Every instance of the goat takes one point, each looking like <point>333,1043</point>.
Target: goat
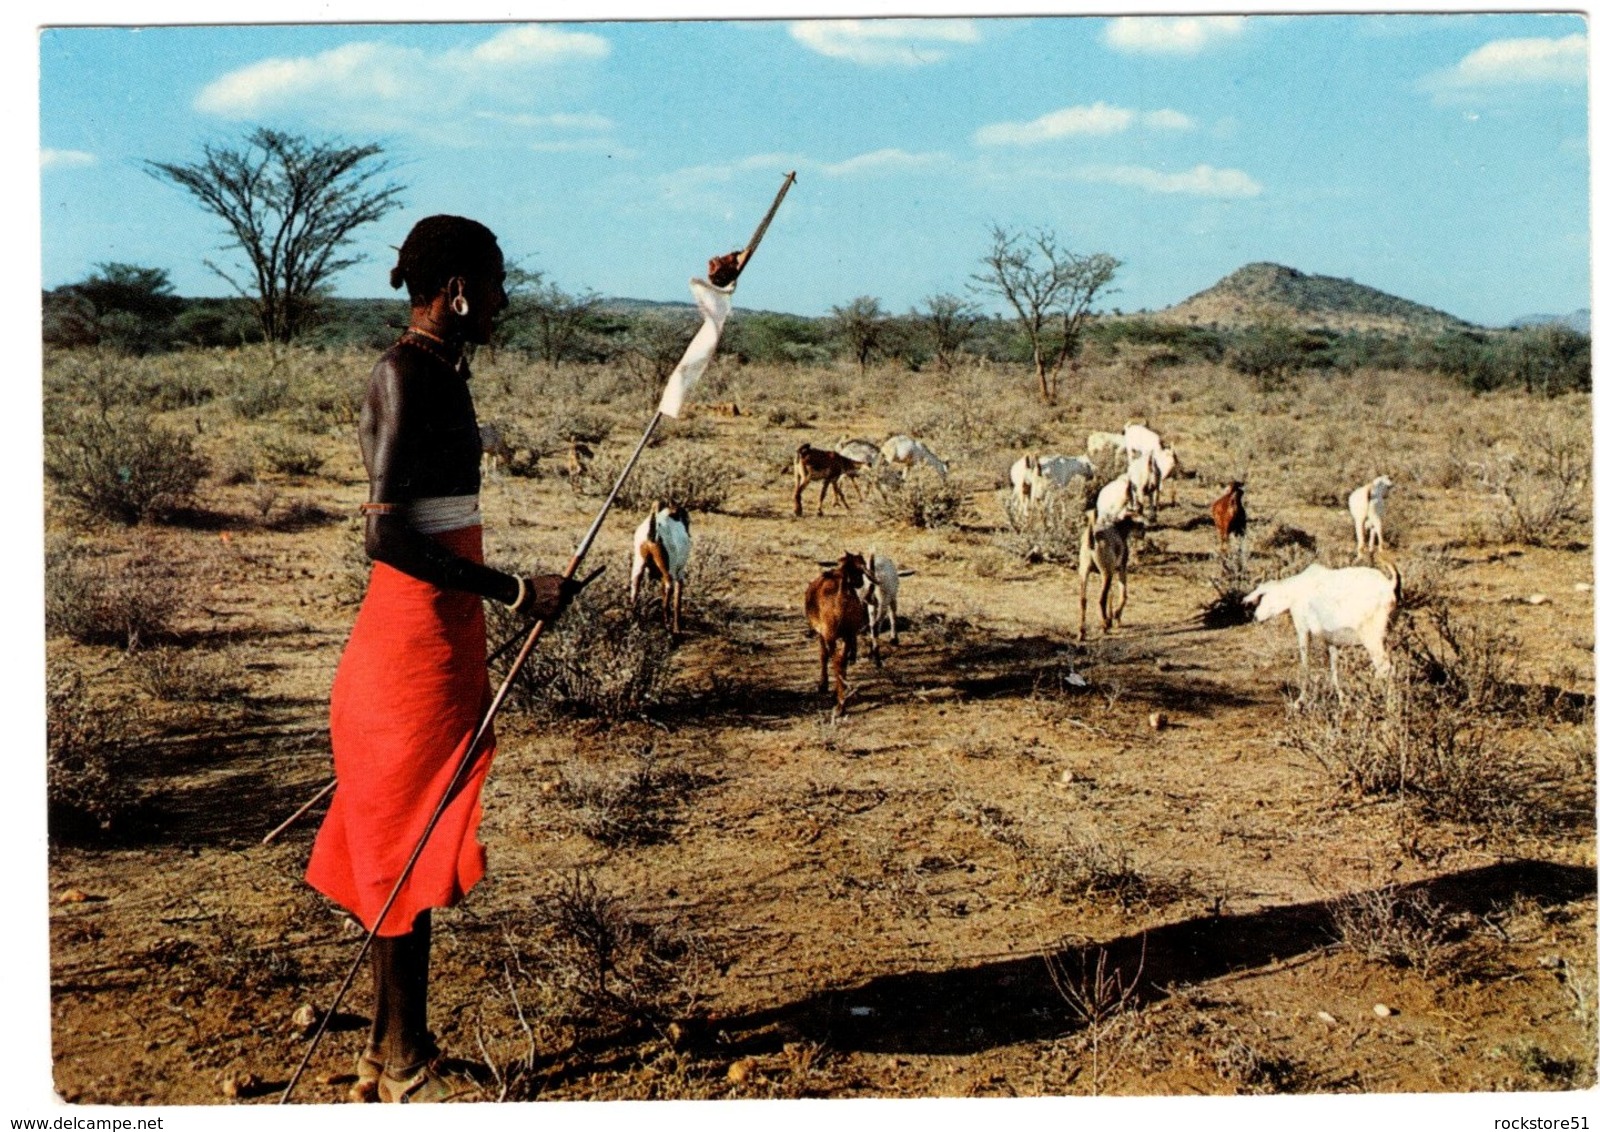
<point>1367,504</point>
<point>578,456</point>
<point>496,448</point>
<point>661,550</point>
<point>820,464</point>
<point>1144,479</point>
<point>1228,514</point>
<point>1166,465</point>
<point>864,453</point>
<point>1115,500</point>
<point>904,452</point>
<point>1104,550</point>
<point>881,596</point>
<point>836,613</point>
<point>1112,444</point>
<point>1139,439</point>
<point>1341,608</point>
<point>1032,477</point>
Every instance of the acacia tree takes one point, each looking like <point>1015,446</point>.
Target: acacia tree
<point>555,323</point>
<point>292,206</point>
<point>949,324</point>
<point>1050,288</point>
<point>861,325</point>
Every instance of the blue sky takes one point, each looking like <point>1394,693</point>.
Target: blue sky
<point>1441,158</point>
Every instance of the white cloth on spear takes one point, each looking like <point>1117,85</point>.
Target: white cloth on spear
<point>714,303</point>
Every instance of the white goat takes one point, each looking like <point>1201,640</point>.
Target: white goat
<point>661,548</point>
<point>1367,504</point>
<point>880,593</point>
<point>1166,462</point>
<point>905,451</point>
<point>1113,446</point>
<point>1144,479</point>
<point>866,454</point>
<point>1115,500</point>
<point>1341,608</point>
<point>1140,440</point>
<point>1033,476</point>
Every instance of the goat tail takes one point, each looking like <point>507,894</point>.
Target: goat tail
<point>1393,568</point>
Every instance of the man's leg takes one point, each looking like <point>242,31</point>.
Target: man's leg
<point>400,1039</point>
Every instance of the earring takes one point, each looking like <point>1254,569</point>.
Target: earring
<point>459,305</point>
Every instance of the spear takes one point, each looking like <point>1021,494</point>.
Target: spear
<point>714,303</point>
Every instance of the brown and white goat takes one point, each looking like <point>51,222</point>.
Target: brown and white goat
<point>838,616</point>
<point>1104,550</point>
<point>661,550</point>
<point>820,464</point>
<point>1228,514</point>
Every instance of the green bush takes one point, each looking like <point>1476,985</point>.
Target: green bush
<point>122,466</point>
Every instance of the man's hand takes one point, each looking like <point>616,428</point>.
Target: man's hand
<point>548,594</point>
<point>724,269</point>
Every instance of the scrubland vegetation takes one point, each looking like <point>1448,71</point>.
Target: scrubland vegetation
<point>1017,865</point>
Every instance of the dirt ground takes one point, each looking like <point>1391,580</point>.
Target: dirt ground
<point>987,879</point>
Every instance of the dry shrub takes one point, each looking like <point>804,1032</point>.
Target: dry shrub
<point>1542,495</point>
<point>185,676</point>
<point>1412,739</point>
<point>599,659</point>
<point>1467,662</point>
<point>95,599</point>
<point>699,482</point>
<point>1386,925</point>
<point>289,455</point>
<point>712,578</point>
<point>606,964</point>
<point>1050,531</point>
<point>349,568</point>
<point>624,804</point>
<point>122,466</point>
<point>1251,1070</point>
<point>1232,580</point>
<point>1087,868</point>
<point>920,499</point>
<point>88,748</point>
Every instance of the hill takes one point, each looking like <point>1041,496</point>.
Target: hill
<point>1263,291</point>
<point>1578,320</point>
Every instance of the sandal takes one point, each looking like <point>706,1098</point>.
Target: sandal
<point>368,1070</point>
<point>439,1079</point>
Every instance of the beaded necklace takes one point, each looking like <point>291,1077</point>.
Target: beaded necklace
<point>419,339</point>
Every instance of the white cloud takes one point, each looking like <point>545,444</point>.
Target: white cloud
<point>65,158</point>
<point>534,44</point>
<point>1098,120</point>
<point>369,73</point>
<point>864,164</point>
<point>1171,35</point>
<point>904,43</point>
<point>1516,62</point>
<point>1202,180</point>
<point>881,161</point>
<point>595,122</point>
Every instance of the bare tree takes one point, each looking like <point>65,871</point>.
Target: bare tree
<point>1051,289</point>
<point>861,324</point>
<point>949,324</point>
<point>292,206</point>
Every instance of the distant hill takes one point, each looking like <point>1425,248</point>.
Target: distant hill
<point>1260,291</point>
<point>1578,320</point>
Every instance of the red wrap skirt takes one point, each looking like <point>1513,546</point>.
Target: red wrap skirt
<point>409,693</point>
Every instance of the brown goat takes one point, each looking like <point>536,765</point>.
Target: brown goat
<point>837,615</point>
<point>1228,514</point>
<point>1104,550</point>
<point>821,464</point>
